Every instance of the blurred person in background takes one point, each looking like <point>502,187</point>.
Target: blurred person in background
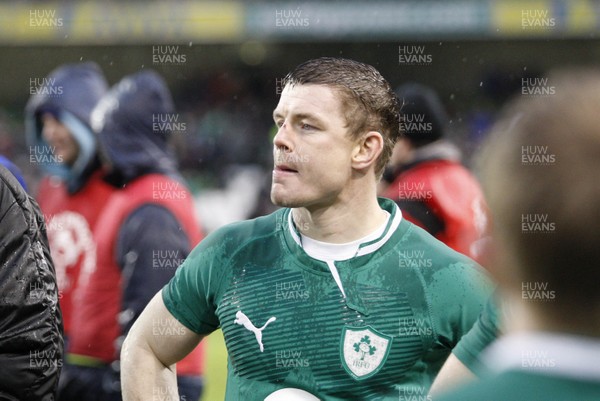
<point>72,192</point>
<point>324,299</point>
<point>31,336</point>
<point>146,229</point>
<point>428,182</point>
<point>541,160</point>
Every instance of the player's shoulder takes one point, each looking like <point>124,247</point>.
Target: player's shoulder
<point>253,229</point>
<point>438,263</point>
<point>235,236</point>
<point>440,253</point>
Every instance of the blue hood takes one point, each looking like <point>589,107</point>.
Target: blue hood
<point>125,121</point>
<point>70,93</point>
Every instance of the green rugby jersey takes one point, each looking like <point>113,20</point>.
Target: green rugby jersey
<point>536,366</point>
<point>408,300</point>
<point>518,385</point>
<point>482,334</point>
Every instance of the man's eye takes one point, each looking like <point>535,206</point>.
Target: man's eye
<point>305,126</point>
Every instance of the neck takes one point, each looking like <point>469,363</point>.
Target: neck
<point>343,221</point>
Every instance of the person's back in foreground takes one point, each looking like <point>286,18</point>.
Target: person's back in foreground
<point>334,297</point>
<point>539,174</point>
<point>31,340</point>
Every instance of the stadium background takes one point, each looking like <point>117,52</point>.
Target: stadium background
<point>224,61</point>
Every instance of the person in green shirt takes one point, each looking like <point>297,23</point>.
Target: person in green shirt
<point>333,297</point>
<point>539,173</point>
<point>464,364</point>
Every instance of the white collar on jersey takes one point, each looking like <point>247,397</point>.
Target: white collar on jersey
<point>363,246</point>
<point>330,253</point>
<point>327,251</point>
<point>546,353</point>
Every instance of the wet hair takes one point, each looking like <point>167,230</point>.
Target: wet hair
<point>367,99</point>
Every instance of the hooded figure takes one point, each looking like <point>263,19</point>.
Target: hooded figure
<point>69,94</point>
<point>145,231</point>
<point>72,194</point>
<point>429,183</point>
<point>31,341</point>
<point>132,123</point>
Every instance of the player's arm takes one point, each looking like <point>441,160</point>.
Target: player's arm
<point>461,365</point>
<point>154,344</point>
<point>452,374</point>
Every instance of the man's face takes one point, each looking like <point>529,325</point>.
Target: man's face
<point>312,150</point>
<point>60,139</point>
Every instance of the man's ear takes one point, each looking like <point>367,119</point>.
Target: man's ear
<point>367,150</point>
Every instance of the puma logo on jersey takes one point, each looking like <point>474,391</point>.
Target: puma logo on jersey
<point>243,320</point>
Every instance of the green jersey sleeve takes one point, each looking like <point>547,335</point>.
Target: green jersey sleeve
<point>457,295</point>
<point>482,334</point>
<point>191,295</point>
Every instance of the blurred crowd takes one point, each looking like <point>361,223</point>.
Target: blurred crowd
<point>223,123</point>
<point>222,138</point>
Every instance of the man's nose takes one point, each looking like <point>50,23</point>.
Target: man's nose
<point>282,139</point>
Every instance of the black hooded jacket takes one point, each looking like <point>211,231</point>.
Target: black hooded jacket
<point>31,338</point>
<point>133,136</point>
<point>134,146</point>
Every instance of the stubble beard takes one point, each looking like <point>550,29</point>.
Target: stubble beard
<point>282,201</point>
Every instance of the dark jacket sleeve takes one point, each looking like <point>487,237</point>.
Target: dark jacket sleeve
<point>31,333</point>
<point>151,245</point>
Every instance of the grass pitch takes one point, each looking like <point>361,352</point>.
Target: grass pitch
<point>215,367</point>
